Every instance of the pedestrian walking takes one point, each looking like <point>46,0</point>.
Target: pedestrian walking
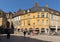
<point>18,30</point>
<point>24,33</point>
<point>8,33</point>
<point>8,29</point>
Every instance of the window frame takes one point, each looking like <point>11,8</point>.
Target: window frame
<point>42,15</point>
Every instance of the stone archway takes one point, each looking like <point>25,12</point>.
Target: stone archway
<point>42,30</point>
<point>30,29</point>
<point>37,30</point>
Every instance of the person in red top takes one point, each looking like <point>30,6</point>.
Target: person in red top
<point>33,33</point>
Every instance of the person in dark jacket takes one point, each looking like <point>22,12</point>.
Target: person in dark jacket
<point>8,29</point>
<point>24,33</point>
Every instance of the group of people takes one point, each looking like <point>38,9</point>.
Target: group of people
<point>29,33</point>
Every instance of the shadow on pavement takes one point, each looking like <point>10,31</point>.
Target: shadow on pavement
<point>20,39</point>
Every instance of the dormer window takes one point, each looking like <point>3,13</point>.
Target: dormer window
<point>28,10</point>
<point>42,9</point>
<point>24,11</point>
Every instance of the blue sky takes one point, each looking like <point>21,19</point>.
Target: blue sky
<point>14,5</point>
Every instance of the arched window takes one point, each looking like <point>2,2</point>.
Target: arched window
<point>52,17</point>
<point>42,30</point>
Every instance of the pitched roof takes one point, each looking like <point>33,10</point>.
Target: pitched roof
<point>46,9</point>
<point>36,8</point>
<point>19,12</point>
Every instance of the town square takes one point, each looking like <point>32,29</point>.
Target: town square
<point>30,21</point>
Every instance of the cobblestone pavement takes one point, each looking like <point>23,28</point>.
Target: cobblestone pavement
<point>47,38</point>
<point>30,38</point>
<point>20,38</point>
<point>44,37</point>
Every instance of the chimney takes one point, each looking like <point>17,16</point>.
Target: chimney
<point>36,4</point>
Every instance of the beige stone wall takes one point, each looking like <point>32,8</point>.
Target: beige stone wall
<point>59,21</point>
<point>24,19</point>
<point>0,21</point>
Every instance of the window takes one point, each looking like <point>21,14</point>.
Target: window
<point>30,29</point>
<point>28,16</point>
<point>47,15</point>
<point>15,18</point>
<point>33,16</point>
<point>56,18</point>
<point>19,17</point>
<point>33,23</point>
<point>38,22</point>
<point>51,17</point>
<point>24,23</point>
<point>20,23</point>
<point>42,30</point>
<point>42,15</point>
<point>46,22</point>
<point>42,22</point>
<point>28,22</point>
<point>38,15</point>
